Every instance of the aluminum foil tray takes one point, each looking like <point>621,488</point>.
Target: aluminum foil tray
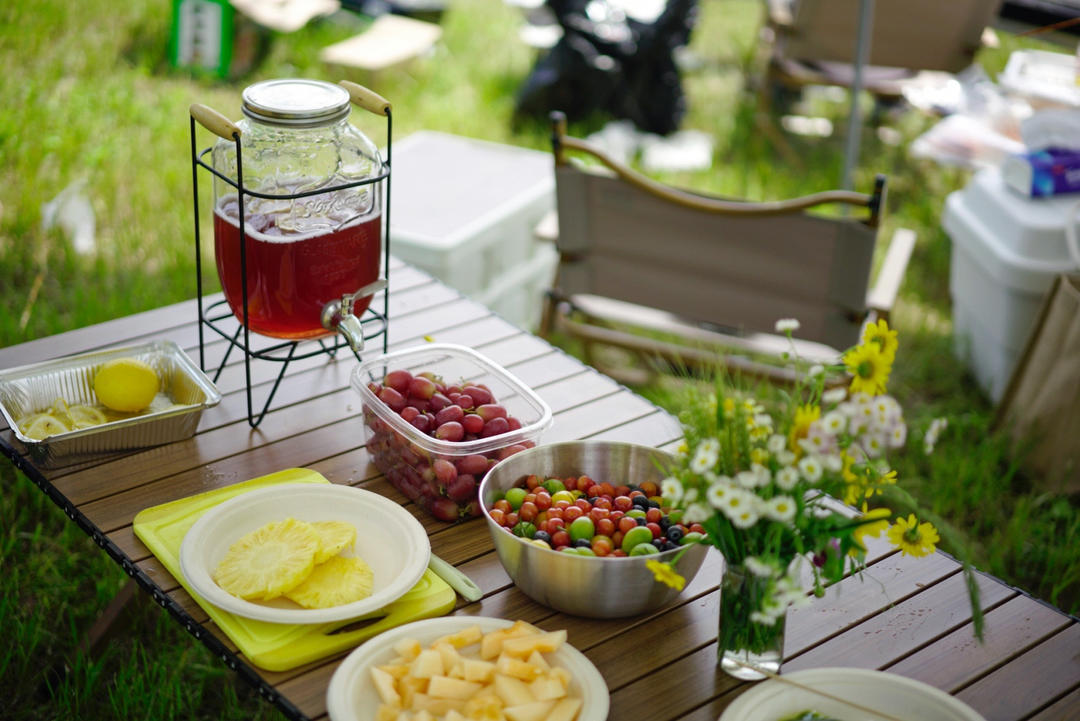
<point>174,415</point>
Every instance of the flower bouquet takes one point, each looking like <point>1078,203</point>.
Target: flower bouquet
<point>765,479</point>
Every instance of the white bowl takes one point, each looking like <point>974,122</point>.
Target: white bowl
<point>351,695</point>
<point>389,539</point>
<point>892,694</point>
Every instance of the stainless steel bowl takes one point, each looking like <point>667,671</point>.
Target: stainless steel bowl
<point>583,585</point>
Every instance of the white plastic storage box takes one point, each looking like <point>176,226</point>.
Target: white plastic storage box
<point>464,210</point>
<point>1006,251</point>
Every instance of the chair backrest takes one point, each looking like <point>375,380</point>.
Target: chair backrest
<point>736,266</point>
<point>915,34</point>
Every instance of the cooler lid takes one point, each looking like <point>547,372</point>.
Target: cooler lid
<point>1030,227</point>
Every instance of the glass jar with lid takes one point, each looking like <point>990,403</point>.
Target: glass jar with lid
<point>311,212</point>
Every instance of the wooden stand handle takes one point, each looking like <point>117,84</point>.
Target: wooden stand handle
<point>214,121</point>
<point>366,99</point>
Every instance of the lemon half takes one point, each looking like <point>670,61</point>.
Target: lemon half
<point>126,384</point>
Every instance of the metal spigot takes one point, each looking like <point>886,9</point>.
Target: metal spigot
<point>337,315</point>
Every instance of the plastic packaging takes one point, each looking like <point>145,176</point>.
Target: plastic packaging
<point>443,477</point>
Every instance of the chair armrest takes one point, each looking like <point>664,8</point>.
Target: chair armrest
<point>547,230</point>
<point>781,12</point>
<point>883,295</point>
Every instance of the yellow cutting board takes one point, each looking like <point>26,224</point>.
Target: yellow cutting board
<point>277,646</point>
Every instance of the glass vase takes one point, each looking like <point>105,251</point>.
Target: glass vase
<point>746,649</point>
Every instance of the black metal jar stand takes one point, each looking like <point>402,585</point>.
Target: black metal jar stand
<point>217,315</point>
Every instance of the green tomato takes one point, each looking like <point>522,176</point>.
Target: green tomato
<point>692,537</point>
<point>542,544</point>
<point>524,529</point>
<point>585,551</point>
<point>635,537</point>
<point>562,496</point>
<point>515,497</point>
<point>553,486</point>
<point>569,549</point>
<point>644,549</point>
<point>582,527</point>
<point>636,513</point>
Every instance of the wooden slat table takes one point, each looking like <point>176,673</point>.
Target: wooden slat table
<point>906,616</point>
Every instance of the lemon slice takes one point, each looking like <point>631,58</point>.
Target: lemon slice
<point>43,426</point>
<point>85,416</point>
<point>126,384</point>
<point>59,408</point>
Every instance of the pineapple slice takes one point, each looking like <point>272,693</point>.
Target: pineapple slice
<point>334,537</point>
<point>339,581</point>
<point>269,561</point>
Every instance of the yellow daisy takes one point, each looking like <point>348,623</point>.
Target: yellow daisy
<point>871,525</point>
<point>913,538</point>
<point>883,336</point>
<point>800,428</point>
<point>665,574</point>
<point>869,367</point>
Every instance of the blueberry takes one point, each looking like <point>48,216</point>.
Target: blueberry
<point>641,501</point>
<point>675,534</point>
<point>641,520</point>
<point>653,504</point>
<point>659,543</point>
<point>542,536</point>
<point>665,524</point>
<point>582,543</point>
<point>669,546</point>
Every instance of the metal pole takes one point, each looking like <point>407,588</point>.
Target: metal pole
<point>862,57</point>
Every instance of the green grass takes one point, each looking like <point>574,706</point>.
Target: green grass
<point>90,96</point>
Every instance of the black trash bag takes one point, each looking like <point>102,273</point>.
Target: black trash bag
<point>608,62</point>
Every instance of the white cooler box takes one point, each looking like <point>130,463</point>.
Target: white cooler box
<point>1006,250</point>
<point>464,210</point>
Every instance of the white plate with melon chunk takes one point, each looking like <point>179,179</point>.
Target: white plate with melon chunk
<point>487,657</point>
<point>388,538</point>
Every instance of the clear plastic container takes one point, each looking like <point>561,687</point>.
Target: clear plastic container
<point>443,476</point>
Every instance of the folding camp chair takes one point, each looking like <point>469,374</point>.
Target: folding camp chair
<point>639,255</point>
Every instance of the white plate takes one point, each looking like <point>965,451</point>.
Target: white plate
<point>352,696</point>
<point>388,538</point>
<point>896,695</point>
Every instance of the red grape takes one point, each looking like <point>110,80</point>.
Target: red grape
<point>392,398</point>
<point>479,394</point>
<point>445,471</point>
<point>474,463</point>
<point>463,487</point>
<point>450,413</point>
<point>450,431</point>
<point>421,387</point>
<point>495,427</point>
<point>473,423</point>
<point>490,411</point>
<point>398,380</point>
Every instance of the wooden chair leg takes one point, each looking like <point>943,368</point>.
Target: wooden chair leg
<point>113,621</point>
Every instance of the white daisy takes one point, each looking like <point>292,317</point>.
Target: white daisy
<point>787,477</point>
<point>873,444</point>
<point>671,491</point>
<point>717,493</point>
<point>785,325</point>
<point>833,462</point>
<point>780,508</point>
<point>897,436</point>
<point>758,567</point>
<point>834,423</point>
<point>776,443</point>
<point>833,395</point>
<point>810,468</point>
<point>785,457</point>
<point>816,370</point>
<point>745,518</point>
<point>703,461</point>
<point>696,513</point>
<point>746,479</point>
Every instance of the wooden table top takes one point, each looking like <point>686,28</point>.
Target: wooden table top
<point>905,615</point>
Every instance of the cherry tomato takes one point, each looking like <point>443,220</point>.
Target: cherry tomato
<point>543,500</point>
<point>653,515</point>
<point>555,524</point>
<point>560,538</point>
<point>622,503</point>
<point>584,505</point>
<point>502,505</point>
<point>573,512</point>
<point>528,511</point>
<point>607,489</point>
<point>697,528</point>
<point>650,489</point>
<point>622,490</point>
<point>555,513</point>
<point>605,527</point>
<point>655,528</point>
<point>619,553</point>
<point>511,519</point>
<point>626,523</point>
<point>597,513</point>
<point>616,515</point>
<point>571,484</point>
<point>561,504</point>
<point>498,516</point>
<point>616,538</point>
<point>532,482</point>
<point>592,491</point>
<point>602,545</point>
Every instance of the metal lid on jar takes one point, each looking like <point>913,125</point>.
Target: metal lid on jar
<point>295,102</point>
